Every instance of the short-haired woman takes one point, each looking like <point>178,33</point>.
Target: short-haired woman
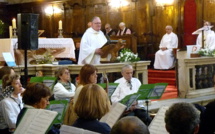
<point>63,89</point>
<point>11,105</point>
<point>91,105</point>
<point>36,96</point>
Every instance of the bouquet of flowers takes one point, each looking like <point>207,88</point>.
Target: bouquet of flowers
<point>126,55</point>
<point>207,52</point>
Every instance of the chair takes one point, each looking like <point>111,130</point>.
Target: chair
<point>36,79</point>
<point>49,81</point>
<point>60,107</point>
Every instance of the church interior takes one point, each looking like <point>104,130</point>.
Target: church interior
<point>62,24</point>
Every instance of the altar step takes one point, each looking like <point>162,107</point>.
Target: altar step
<point>164,76</point>
<point>160,76</point>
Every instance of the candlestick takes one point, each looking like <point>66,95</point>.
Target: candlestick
<point>10,32</point>
<point>60,31</point>
<point>14,23</point>
<point>60,24</point>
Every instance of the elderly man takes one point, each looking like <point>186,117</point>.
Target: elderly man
<point>129,125</point>
<point>129,85</point>
<point>164,57</point>
<point>209,37</point>
<point>182,118</point>
<point>108,30</point>
<point>123,30</point>
<point>91,42</point>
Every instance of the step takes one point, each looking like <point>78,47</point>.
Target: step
<point>170,81</point>
<point>162,74</point>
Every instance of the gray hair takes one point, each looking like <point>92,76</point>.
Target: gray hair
<point>129,125</point>
<point>168,26</point>
<point>95,17</point>
<point>121,24</point>
<point>182,118</point>
<point>126,66</point>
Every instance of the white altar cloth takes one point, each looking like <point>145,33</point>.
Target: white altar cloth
<point>7,45</point>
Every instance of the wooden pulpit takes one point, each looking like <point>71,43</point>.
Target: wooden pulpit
<point>131,41</point>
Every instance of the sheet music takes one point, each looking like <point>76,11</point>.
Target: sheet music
<point>116,111</point>
<point>74,130</point>
<point>35,121</point>
<point>157,126</point>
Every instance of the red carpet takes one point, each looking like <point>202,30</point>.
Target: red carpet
<point>167,76</point>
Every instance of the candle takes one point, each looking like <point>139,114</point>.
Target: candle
<point>10,31</point>
<point>60,24</point>
<point>14,23</point>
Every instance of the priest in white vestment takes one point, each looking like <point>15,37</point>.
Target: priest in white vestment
<point>91,43</point>
<point>209,37</point>
<point>164,57</point>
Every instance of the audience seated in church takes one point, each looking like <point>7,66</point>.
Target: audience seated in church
<point>129,85</point>
<point>164,57</point>
<point>207,124</point>
<point>109,31</point>
<point>11,105</point>
<point>92,104</point>
<point>63,89</point>
<point>123,30</point>
<point>87,75</point>
<point>129,125</point>
<point>182,118</point>
<point>36,96</point>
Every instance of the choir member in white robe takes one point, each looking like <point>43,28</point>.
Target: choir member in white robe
<point>209,37</point>
<point>91,43</point>
<point>164,57</point>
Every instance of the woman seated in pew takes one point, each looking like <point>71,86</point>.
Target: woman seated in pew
<point>36,96</point>
<point>91,105</point>
<point>87,75</point>
<point>63,89</point>
<point>12,104</point>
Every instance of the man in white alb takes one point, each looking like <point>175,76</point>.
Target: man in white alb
<point>164,57</point>
<point>91,42</point>
<point>209,37</point>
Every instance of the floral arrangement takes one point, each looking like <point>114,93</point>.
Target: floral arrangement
<point>46,58</point>
<point>126,55</point>
<point>207,52</point>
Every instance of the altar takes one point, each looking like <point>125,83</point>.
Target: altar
<point>195,75</point>
<point>140,69</point>
<point>66,46</point>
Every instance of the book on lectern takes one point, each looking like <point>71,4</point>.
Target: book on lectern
<point>36,121</point>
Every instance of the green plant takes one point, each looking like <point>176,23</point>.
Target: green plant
<point>207,52</point>
<point>126,55</point>
<point>2,25</point>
